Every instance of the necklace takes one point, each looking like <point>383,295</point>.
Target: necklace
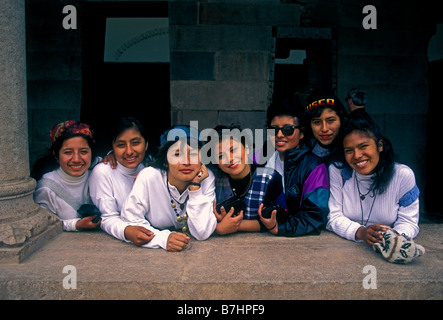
<point>363,197</point>
<point>182,220</point>
<point>240,185</point>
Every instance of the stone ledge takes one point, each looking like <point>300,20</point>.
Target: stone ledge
<point>240,266</point>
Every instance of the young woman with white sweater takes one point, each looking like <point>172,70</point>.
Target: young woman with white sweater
<point>369,190</point>
<point>173,198</point>
<point>63,175</point>
<point>109,187</point>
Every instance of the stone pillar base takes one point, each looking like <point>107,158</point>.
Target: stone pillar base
<point>18,254</point>
<point>24,225</point>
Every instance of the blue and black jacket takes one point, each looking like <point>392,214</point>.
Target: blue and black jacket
<point>306,193</point>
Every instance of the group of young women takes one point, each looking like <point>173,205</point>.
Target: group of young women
<point>329,169</point>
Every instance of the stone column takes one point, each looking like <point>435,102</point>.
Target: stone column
<point>24,226</point>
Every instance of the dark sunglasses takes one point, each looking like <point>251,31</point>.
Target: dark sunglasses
<point>287,130</point>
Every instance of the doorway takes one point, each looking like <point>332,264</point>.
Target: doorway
<point>117,88</point>
<point>434,176</point>
<point>305,59</point>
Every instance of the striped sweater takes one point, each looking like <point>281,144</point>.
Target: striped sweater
<point>397,207</point>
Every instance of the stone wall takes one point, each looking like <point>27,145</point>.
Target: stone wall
<point>221,60</point>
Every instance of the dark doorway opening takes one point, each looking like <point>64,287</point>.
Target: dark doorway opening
<point>113,90</point>
<point>313,66</point>
<point>434,176</point>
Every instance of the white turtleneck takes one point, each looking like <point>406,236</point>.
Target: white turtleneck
<point>63,194</point>
<point>109,189</point>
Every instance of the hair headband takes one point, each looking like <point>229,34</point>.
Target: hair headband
<point>70,126</point>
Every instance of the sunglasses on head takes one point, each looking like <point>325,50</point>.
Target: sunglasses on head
<point>287,130</point>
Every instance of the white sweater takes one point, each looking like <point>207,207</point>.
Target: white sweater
<point>63,194</point>
<point>149,205</point>
<point>109,189</point>
<point>397,207</point>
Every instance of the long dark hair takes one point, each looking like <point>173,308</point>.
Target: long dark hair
<point>384,170</point>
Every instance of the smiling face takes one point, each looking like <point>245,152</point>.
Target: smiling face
<point>74,156</point>
<point>362,153</point>
<point>282,142</point>
<point>326,127</point>
<point>232,158</point>
<point>130,148</point>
